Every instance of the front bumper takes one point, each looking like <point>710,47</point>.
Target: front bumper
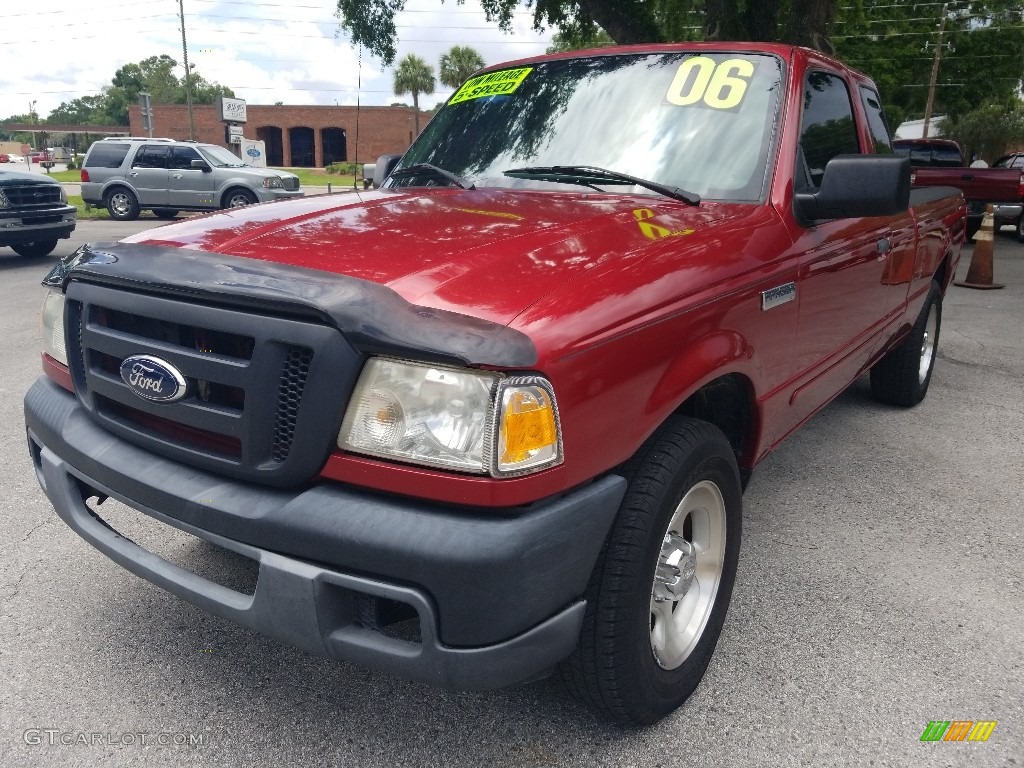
<point>268,194</point>
<point>18,227</point>
<point>497,593</point>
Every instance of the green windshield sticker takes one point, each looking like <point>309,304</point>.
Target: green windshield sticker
<point>492,84</point>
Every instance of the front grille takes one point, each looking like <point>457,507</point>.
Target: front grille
<point>254,406</point>
<point>289,395</point>
<point>290,184</point>
<point>33,195</point>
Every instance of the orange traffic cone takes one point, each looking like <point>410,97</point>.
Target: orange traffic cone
<point>979,274</point>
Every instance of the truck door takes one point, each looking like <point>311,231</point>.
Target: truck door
<point>842,263</point>
<point>148,174</point>
<point>189,187</point>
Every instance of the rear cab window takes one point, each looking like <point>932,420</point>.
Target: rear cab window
<point>106,155</point>
<point>880,136</point>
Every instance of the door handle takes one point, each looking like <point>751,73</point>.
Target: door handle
<point>967,177</point>
<point>133,173</point>
<point>176,176</point>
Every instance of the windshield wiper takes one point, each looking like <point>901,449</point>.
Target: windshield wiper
<point>420,168</point>
<point>588,175</point>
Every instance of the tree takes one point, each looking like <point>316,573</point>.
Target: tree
<point>458,64</point>
<point>987,132</point>
<point>894,43</point>
<point>372,22</point>
<point>575,40</point>
<point>154,75</point>
<point>414,76</point>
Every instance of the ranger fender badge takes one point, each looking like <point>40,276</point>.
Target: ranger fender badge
<point>778,296</point>
<point>153,379</point>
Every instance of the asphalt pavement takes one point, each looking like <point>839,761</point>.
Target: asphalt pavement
<point>881,586</point>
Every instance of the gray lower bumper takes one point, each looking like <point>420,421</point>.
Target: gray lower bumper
<point>322,608</point>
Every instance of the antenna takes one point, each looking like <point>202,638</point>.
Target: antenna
<point>359,93</point>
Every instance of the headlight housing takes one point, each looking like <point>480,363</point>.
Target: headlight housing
<point>63,195</point>
<point>3,200</point>
<point>272,182</point>
<point>453,418</point>
<point>51,321</point>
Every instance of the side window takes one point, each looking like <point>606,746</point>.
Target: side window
<point>182,157</point>
<point>827,128</point>
<point>1018,162</point>
<point>876,121</point>
<point>150,157</point>
<point>106,155</point>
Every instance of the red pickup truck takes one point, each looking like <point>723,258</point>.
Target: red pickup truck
<point>494,419</point>
<point>940,162</point>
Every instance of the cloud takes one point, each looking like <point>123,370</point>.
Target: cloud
<point>266,50</point>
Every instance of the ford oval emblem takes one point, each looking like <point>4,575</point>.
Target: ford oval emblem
<point>153,379</point>
<point>252,152</point>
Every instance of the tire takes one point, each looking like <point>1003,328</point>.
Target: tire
<point>903,375</point>
<point>165,213</point>
<point>121,204</point>
<point>237,198</point>
<point>1020,228</point>
<point>972,228</point>
<point>632,665</point>
<point>30,250</point>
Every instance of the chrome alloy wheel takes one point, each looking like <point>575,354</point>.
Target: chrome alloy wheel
<point>928,345</point>
<point>688,574</point>
<point>120,203</point>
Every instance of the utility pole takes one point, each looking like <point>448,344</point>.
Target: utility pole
<point>188,74</point>
<point>935,74</point>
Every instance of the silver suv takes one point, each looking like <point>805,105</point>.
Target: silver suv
<point>128,175</point>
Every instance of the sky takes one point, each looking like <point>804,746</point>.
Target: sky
<point>292,51</point>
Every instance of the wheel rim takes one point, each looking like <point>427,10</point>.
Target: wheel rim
<point>688,574</point>
<point>238,201</point>
<point>928,345</point>
<point>120,204</point>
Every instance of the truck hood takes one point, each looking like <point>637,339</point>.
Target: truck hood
<point>489,253</point>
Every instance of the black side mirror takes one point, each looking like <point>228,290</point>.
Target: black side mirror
<point>202,165</point>
<point>385,165</point>
<point>857,185</point>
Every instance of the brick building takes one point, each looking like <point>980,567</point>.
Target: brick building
<point>295,136</point>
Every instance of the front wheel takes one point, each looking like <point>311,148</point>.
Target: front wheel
<point>1020,228</point>
<point>903,375</point>
<point>39,248</point>
<point>236,198</point>
<point>659,593</point>
<point>122,205</point>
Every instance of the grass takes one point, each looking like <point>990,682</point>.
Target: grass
<point>101,213</point>
<point>308,177</point>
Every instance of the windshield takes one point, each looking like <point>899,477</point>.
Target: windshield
<point>701,122</point>
<point>220,157</point>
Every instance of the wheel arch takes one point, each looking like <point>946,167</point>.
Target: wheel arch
<point>714,381</point>
<point>728,402</point>
<point>232,187</point>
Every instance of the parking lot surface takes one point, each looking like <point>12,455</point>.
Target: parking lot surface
<point>881,587</point>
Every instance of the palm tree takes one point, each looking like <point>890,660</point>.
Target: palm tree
<point>458,64</point>
<point>413,75</point>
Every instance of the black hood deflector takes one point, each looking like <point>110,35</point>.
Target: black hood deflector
<point>373,318</point>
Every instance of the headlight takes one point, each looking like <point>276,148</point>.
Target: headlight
<point>3,199</point>
<point>63,195</point>
<point>452,418</point>
<point>52,324</point>
<point>272,182</point>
